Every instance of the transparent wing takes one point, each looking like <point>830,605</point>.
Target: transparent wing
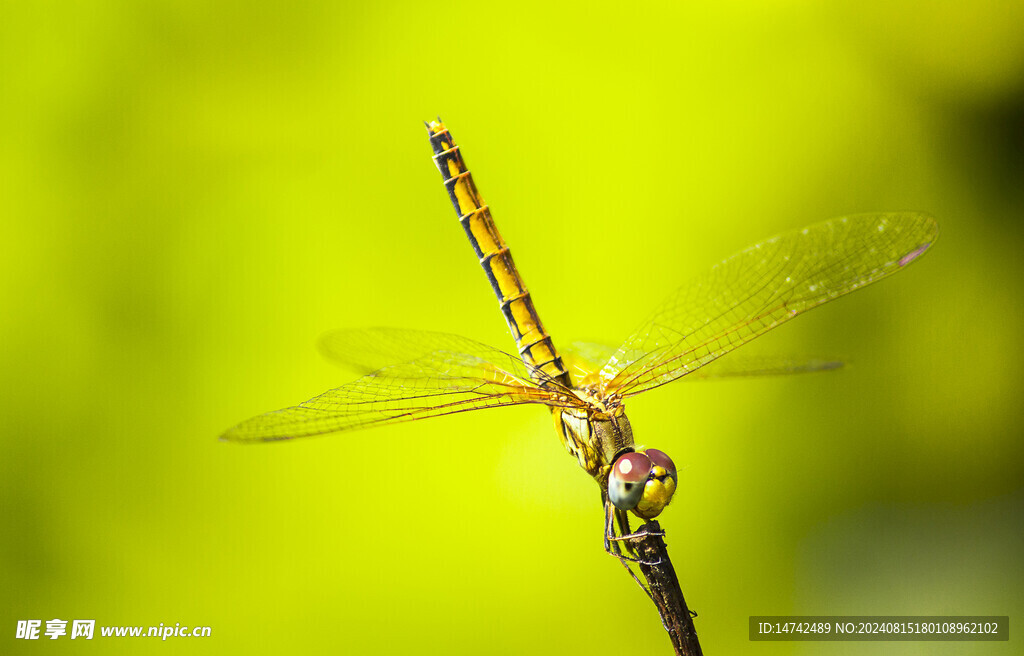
<point>761,287</point>
<point>585,359</point>
<point>738,366</point>
<point>444,374</point>
<point>580,358</point>
<point>366,350</point>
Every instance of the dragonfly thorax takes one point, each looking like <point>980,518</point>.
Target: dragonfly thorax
<point>592,392</point>
<point>641,480</point>
<point>594,437</point>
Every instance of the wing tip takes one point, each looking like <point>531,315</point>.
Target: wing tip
<point>929,233</point>
<point>231,438</point>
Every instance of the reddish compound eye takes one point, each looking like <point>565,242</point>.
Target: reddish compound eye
<point>627,478</point>
<point>661,459</point>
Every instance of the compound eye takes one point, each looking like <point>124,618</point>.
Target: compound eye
<point>661,459</point>
<point>627,479</point>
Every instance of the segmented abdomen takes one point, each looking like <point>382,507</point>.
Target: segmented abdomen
<point>534,344</point>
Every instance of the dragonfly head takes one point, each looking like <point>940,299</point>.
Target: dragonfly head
<point>642,481</point>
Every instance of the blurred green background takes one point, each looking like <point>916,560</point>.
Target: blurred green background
<point>192,193</point>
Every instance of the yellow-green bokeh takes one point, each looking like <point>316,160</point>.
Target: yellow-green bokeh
<point>193,192</point>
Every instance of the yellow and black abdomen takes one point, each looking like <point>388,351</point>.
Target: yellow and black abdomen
<point>534,344</point>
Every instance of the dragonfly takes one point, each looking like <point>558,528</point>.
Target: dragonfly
<point>411,375</point>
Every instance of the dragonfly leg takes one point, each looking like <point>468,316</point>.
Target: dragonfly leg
<point>611,545</point>
<point>625,536</point>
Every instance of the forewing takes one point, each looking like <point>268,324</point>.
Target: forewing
<point>761,287</point>
<point>438,381</point>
